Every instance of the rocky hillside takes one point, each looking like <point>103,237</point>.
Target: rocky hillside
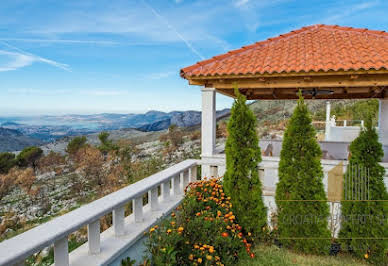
<point>11,140</point>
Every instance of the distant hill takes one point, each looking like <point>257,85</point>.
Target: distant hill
<point>181,119</point>
<point>14,140</point>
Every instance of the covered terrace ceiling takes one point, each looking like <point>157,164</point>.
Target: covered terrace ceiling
<point>325,62</point>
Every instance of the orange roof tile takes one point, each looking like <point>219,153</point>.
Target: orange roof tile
<point>313,48</point>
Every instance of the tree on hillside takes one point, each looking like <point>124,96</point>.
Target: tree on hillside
<point>29,157</point>
<point>7,161</point>
<point>106,144</point>
<point>366,219</point>
<point>300,178</point>
<point>75,144</point>
<point>241,180</point>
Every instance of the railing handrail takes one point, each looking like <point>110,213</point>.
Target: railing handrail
<point>21,246</point>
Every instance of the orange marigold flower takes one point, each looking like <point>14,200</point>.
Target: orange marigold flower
<point>173,214</point>
<point>198,214</point>
<point>191,257</point>
<point>208,257</point>
<point>199,260</point>
<point>180,229</point>
<point>196,246</point>
<point>252,255</point>
<point>169,231</point>
<point>366,256</point>
<point>224,234</point>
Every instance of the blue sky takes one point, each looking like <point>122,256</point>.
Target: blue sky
<point>92,56</point>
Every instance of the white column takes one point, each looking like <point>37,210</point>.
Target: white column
<point>118,220</point>
<point>327,124</point>
<point>193,173</point>
<point>166,191</point>
<point>153,199</point>
<point>61,252</point>
<point>94,237</point>
<point>137,205</point>
<point>383,121</point>
<point>208,126</point>
<point>176,185</point>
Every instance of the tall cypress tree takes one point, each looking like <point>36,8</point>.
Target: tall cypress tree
<point>300,196</point>
<point>363,220</point>
<point>241,180</point>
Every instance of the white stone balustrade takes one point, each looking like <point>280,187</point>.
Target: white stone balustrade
<point>106,247</point>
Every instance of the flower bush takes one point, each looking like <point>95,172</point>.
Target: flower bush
<point>203,230</point>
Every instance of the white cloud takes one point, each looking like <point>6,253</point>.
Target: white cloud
<point>241,3</point>
<point>95,42</point>
<point>14,60</point>
<point>28,91</point>
<point>134,23</point>
<point>103,92</point>
<point>349,11</point>
<point>21,59</point>
<point>172,28</point>
<point>162,75</point>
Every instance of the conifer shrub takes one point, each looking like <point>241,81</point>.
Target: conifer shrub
<point>364,223</point>
<point>241,180</point>
<point>300,196</point>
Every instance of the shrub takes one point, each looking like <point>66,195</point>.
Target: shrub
<point>300,178</point>
<point>106,145</point>
<point>29,157</point>
<point>203,231</point>
<point>76,144</point>
<point>241,179</point>
<point>7,161</point>
<point>366,152</point>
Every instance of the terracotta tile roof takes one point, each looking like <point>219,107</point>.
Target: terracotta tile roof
<point>313,48</point>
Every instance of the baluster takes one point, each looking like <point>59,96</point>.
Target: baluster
<point>94,237</point>
<point>153,198</point>
<point>176,185</point>
<point>186,178</point>
<point>118,217</point>
<point>61,252</point>
<point>166,191</point>
<point>193,173</point>
<point>138,209</point>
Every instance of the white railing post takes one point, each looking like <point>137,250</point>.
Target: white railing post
<point>186,179</point>
<point>61,252</point>
<point>213,171</point>
<point>193,173</point>
<point>94,237</point>
<point>176,185</point>
<point>166,191</point>
<point>138,209</point>
<point>118,216</point>
<point>153,199</point>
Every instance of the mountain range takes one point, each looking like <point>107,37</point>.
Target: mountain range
<point>17,132</point>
